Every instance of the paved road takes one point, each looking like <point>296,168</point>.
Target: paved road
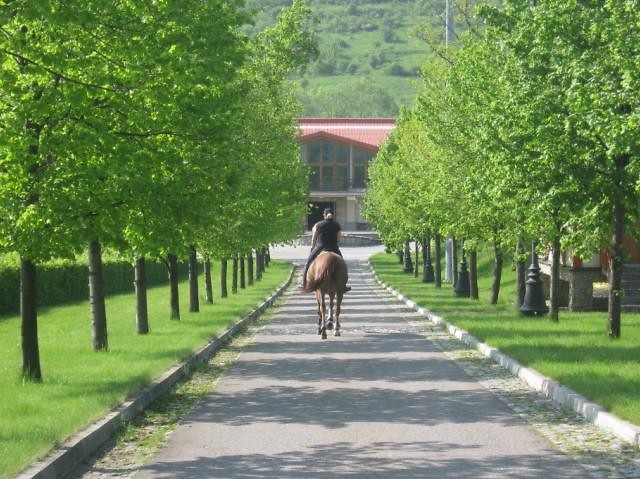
<point>380,401</point>
<point>299,254</point>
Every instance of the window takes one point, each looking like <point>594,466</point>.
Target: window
<point>360,167</point>
<point>330,165</point>
<point>342,175</point>
<point>360,157</point>
<point>327,153</point>
<point>314,151</point>
<point>314,178</point>
<point>342,154</point>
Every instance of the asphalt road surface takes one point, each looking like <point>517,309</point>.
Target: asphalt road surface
<point>379,402</point>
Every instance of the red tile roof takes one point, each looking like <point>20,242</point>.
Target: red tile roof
<point>368,133</point>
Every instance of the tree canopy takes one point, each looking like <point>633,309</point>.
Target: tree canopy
<point>148,127</point>
<point>528,128</point>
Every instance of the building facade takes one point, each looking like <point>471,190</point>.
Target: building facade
<point>338,152</point>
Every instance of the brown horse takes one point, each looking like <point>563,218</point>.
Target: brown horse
<point>328,275</point>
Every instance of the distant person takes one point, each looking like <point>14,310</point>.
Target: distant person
<point>325,236</point>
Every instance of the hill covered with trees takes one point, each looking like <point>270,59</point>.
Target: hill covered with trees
<point>370,53</point>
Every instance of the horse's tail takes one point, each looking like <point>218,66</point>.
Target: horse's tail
<point>315,283</point>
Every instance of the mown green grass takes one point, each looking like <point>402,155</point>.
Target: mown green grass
<point>576,351</point>
<point>79,384</point>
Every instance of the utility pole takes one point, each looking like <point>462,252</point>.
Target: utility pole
<point>449,26</point>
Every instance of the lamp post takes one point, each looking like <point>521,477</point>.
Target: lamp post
<point>462,289</point>
<point>534,303</point>
<point>427,273</point>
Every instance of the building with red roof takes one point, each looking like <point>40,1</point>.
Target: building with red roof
<point>338,152</point>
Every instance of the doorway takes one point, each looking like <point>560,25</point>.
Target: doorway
<point>316,209</point>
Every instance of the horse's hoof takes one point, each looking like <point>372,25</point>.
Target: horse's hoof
<point>337,333</point>
<point>324,335</point>
<point>329,326</point>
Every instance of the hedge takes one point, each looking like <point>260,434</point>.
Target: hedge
<point>61,281</point>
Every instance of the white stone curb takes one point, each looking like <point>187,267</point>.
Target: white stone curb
<point>560,394</point>
<point>67,457</point>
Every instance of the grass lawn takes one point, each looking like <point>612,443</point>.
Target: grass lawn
<point>575,351</point>
<point>81,385</point>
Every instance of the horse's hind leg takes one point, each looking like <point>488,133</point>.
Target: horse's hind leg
<point>319,302</point>
<point>338,305</point>
<point>331,316</point>
<point>323,316</point>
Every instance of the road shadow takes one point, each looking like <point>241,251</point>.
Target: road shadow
<point>398,460</point>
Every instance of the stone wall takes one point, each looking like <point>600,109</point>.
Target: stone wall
<point>576,286</point>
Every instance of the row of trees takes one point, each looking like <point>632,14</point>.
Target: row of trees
<point>526,129</point>
<point>155,128</point>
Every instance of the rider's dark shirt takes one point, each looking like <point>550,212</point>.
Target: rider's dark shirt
<point>327,234</point>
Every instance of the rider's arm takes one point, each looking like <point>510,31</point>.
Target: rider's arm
<point>314,236</point>
<point>339,236</point>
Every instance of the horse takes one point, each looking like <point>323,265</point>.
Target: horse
<point>328,275</point>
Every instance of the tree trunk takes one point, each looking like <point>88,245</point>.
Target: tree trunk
<point>408,263</point>
<point>417,261</point>
<point>242,273</point>
<point>28,289</point>
<point>208,287</point>
<point>194,300</point>
<point>223,278</point>
<point>497,273</point>
<point>400,254</point>
<point>172,266</point>
<point>234,275</point>
<point>615,271</point>
<point>554,297</point>
<point>267,257</point>
<point>259,263</point>
<point>454,258</point>
<point>521,273</point>
<point>140,286</point>
<point>96,298</point>
<point>250,268</point>
<point>29,314</point>
<point>425,250</point>
<point>438,263</point>
<point>473,274</point>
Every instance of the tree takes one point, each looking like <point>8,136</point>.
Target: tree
<point>86,109</point>
<point>578,99</point>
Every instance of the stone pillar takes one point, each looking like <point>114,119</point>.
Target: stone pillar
<point>580,291</point>
<point>448,260</point>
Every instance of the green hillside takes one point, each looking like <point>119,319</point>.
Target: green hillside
<point>369,57</point>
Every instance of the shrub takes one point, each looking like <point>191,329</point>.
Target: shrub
<point>61,281</point>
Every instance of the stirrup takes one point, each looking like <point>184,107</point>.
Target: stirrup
<point>347,289</point>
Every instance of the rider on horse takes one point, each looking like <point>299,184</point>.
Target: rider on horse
<point>325,236</point>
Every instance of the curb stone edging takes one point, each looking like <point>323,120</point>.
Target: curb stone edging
<point>69,455</point>
<point>560,394</point>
